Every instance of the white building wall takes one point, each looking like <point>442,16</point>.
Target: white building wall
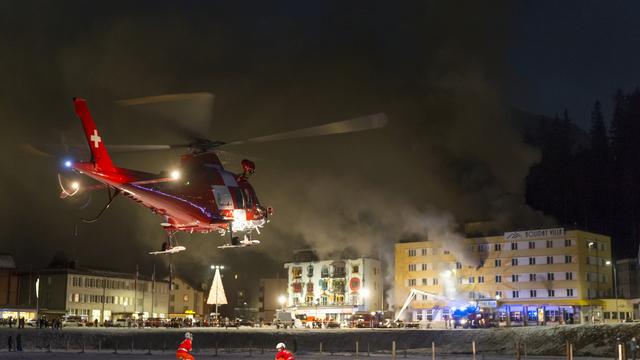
<point>318,289</point>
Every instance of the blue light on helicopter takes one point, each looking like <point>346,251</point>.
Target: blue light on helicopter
<point>67,163</point>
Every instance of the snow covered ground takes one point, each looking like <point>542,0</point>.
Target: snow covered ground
<point>587,340</point>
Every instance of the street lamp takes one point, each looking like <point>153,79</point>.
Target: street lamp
<point>217,267</point>
<point>590,244</point>
<point>282,300</point>
<point>615,284</point>
<point>365,294</point>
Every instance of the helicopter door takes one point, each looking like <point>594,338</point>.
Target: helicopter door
<point>223,197</point>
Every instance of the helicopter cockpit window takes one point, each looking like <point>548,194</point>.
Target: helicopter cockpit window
<point>248,198</point>
<point>223,197</point>
<point>238,197</point>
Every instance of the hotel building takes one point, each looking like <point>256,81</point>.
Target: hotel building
<point>522,277</point>
<point>334,289</point>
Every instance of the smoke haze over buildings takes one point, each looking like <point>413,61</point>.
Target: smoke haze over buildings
<point>449,155</point>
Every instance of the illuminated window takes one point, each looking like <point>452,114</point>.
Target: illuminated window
<point>325,271</point>
<point>296,272</point>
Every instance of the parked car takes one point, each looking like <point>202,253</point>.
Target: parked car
<point>72,321</point>
<point>283,319</point>
<point>120,323</point>
<point>154,322</point>
<point>332,324</point>
<point>243,322</point>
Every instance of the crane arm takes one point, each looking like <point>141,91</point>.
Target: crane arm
<point>412,295</point>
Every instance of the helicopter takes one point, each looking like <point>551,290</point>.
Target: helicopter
<point>202,196</point>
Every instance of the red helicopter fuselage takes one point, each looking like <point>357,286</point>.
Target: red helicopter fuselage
<point>203,198</point>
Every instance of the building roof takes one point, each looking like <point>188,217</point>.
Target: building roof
<point>99,272</point>
<point>7,262</point>
<point>332,260</point>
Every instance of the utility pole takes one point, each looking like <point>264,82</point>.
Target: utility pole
<point>104,292</point>
<point>135,294</point>
<point>153,289</point>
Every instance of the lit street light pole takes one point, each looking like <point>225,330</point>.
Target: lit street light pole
<point>615,284</point>
<point>590,244</point>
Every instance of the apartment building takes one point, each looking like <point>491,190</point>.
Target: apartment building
<point>186,300</point>
<point>97,294</point>
<point>334,289</point>
<point>270,292</point>
<point>524,277</point>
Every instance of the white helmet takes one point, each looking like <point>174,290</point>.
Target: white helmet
<point>188,335</point>
<point>281,346</point>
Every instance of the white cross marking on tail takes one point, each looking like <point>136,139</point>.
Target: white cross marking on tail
<point>95,138</point>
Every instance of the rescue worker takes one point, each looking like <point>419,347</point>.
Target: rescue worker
<point>283,353</point>
<point>185,347</point>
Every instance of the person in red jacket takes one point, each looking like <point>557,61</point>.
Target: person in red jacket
<point>283,353</point>
<point>185,348</point>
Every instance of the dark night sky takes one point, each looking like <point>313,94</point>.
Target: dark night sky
<point>568,54</point>
<point>445,72</point>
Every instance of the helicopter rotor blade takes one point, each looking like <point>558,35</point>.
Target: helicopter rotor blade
<point>363,123</point>
<point>32,150</point>
<point>140,148</point>
<point>188,114</point>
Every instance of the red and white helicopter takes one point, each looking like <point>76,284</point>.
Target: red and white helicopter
<point>202,196</point>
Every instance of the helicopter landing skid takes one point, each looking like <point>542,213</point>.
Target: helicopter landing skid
<point>237,243</point>
<point>170,246</point>
<point>173,250</point>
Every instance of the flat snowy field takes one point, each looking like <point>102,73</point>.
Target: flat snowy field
<point>597,341</point>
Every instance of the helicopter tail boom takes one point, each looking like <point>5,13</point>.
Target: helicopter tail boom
<point>99,155</point>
